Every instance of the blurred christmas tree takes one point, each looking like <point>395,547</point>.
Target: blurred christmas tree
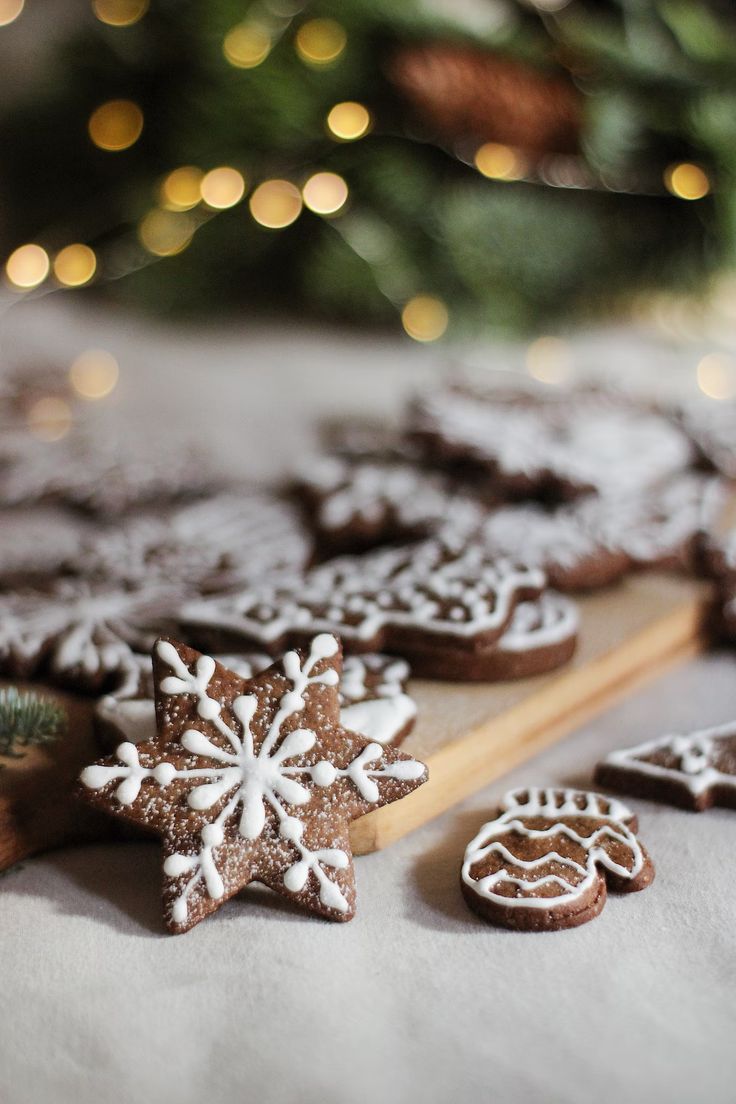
<point>501,163</point>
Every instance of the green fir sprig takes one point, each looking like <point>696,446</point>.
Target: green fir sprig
<point>27,719</point>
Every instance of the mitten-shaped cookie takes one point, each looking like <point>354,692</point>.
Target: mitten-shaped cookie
<point>545,861</point>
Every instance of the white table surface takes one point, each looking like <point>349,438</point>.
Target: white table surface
<point>416,999</point>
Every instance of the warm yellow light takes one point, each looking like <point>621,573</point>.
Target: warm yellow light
<point>348,121</point>
<point>116,125</point>
<point>50,418</point>
<point>10,10</point>
<point>246,45</point>
<point>425,318</point>
<point>75,265</point>
<point>325,193</point>
<point>181,189</point>
<point>716,375</point>
<point>119,13</point>
<point>320,41</point>
<point>686,181</point>
<point>549,359</point>
<point>94,374</point>
<point>275,204</point>
<point>28,266</point>
<point>223,187</point>
<point>165,233</point>
<point>499,162</point>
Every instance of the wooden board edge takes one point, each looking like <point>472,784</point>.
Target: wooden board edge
<point>498,745</point>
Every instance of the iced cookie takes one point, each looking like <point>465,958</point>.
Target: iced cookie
<point>693,771</point>
<point>551,446</point>
<point>78,634</point>
<point>544,863</point>
<point>251,780</point>
<point>457,601</point>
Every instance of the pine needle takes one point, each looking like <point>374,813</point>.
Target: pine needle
<point>26,719</point>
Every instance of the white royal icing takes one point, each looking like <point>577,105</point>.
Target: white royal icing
<point>696,751</point>
<point>253,781</point>
<point>520,805</point>
<point>551,619</point>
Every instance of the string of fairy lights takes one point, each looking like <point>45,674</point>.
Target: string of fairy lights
<point>189,196</point>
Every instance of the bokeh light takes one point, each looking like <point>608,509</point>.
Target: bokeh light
<point>716,376</point>
<point>320,41</point>
<point>348,120</point>
<point>10,10</point>
<point>276,204</point>
<point>499,162</point>
<point>27,266</point>
<point>94,374</point>
<point>119,13</point>
<point>222,187</point>
<point>425,318</point>
<point>686,181</point>
<point>50,418</point>
<point>246,45</point>
<point>181,189</point>
<point>116,125</point>
<point>549,360</point>
<point>325,193</point>
<point>75,265</point>
<point>165,233</point>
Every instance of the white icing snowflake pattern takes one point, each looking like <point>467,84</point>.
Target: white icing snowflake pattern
<point>80,632</point>
<point>252,780</point>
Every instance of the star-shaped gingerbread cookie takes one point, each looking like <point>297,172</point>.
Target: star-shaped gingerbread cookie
<point>251,780</point>
<point>694,771</point>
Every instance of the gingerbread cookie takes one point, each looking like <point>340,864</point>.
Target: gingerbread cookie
<point>541,636</point>
<point>251,780</point>
<point>356,505</point>
<point>78,634</point>
<point>694,771</point>
<point>544,862</point>
<point>563,542</point>
<point>229,539</point>
<point>104,469</point>
<point>408,600</point>
<point>553,445</point>
<point>373,699</point>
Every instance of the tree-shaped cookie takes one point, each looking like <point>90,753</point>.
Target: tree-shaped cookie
<point>545,861</point>
<point>251,780</point>
<point>694,771</point>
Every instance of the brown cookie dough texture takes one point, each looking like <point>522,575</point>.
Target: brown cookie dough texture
<point>357,504</point>
<point>544,863</point>
<point>694,771</point>
<point>442,607</point>
<point>251,780</point>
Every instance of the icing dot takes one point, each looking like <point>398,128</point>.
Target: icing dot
<point>291,829</point>
<point>212,835</point>
<point>208,709</point>
<point>323,773</point>
<point>164,773</point>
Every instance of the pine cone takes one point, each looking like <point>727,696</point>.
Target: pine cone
<point>464,93</point>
